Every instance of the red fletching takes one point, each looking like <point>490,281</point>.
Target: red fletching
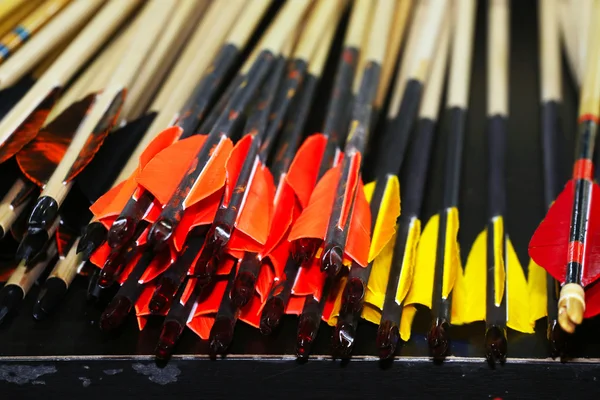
<point>550,243</point>
<point>303,172</point>
<point>359,237</point>
<point>159,264</point>
<point>201,326</point>
<point>162,174</point>
<point>349,193</point>
<point>278,257</point>
<point>592,301</point>
<point>313,221</point>
<point>295,305</point>
<point>141,305</point>
<point>254,219</point>
<point>201,213</point>
<point>310,280</point>
<point>264,281</point>
<point>234,165</point>
<point>285,211</point>
<point>64,240</point>
<point>251,312</point>
<point>98,258</point>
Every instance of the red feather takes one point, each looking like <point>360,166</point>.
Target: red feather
<point>550,242</point>
<point>201,213</point>
<point>303,172</point>
<point>313,221</point>
<point>295,305</point>
<point>310,280</point>
<point>359,237</point>
<point>254,218</point>
<point>251,312</point>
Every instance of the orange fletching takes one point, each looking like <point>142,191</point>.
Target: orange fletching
<point>214,175</point>
<point>285,211</point>
<point>162,174</point>
<point>158,144</point>
<point>264,281</point>
<point>159,264</point>
<point>303,172</point>
<point>202,213</point>
<point>250,314</point>
<point>234,165</point>
<point>98,258</point>
<point>309,281</point>
<point>313,221</point>
<point>201,326</point>
<point>350,192</point>
<point>210,304</point>
<point>295,305</point>
<point>255,217</point>
<point>359,237</point>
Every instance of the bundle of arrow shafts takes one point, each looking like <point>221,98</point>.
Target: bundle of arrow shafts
<point>184,124</point>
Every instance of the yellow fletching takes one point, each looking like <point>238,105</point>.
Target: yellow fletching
<point>369,188</point>
<point>499,271</point>
<point>468,296</point>
<point>338,302</point>
<point>517,300</point>
<point>389,211</point>
<point>421,289</point>
<point>452,264</point>
<point>371,313</point>
<point>408,262</point>
<point>380,273</point>
<point>408,315</point>
<point>538,297</point>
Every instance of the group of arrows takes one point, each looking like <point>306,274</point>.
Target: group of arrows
<point>184,124</point>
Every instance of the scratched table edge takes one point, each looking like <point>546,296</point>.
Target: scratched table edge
<point>266,358</point>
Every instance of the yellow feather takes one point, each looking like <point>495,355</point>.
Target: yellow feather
<point>371,314</point>
<point>538,297</point>
<point>408,262</point>
<point>499,271</point>
<point>389,211</point>
<point>338,302</point>
<point>468,296</point>
<point>519,317</point>
<point>369,188</point>
<point>421,289</point>
<point>452,264</point>
<point>408,315</point>
<point>380,274</point>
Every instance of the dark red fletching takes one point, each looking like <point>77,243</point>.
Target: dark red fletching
<point>96,138</point>
<point>29,128</point>
<point>40,157</point>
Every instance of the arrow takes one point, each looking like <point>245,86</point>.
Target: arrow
<point>384,207</point>
<point>188,190</point>
<point>23,122</point>
<point>503,300</point>
<point>22,279</point>
<point>11,41</point>
<point>543,287</point>
<point>97,123</point>
<point>362,121</point>
<point>303,176</point>
<point>126,199</point>
<point>572,263</point>
<point>438,259</point>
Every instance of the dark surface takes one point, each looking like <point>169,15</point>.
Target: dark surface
<point>73,330</point>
